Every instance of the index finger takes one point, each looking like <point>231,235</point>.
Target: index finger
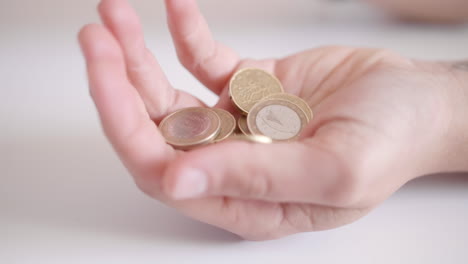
<point>208,60</point>
<point>124,118</point>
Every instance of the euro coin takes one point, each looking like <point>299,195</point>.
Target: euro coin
<point>242,124</point>
<point>228,124</point>
<point>190,127</point>
<point>249,86</point>
<point>295,100</point>
<point>278,119</point>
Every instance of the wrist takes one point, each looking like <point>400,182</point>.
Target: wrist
<point>454,153</point>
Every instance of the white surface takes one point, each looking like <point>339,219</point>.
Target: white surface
<point>65,198</point>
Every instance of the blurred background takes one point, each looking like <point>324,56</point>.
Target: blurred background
<point>65,197</point>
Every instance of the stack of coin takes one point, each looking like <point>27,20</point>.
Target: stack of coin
<point>267,114</point>
<point>196,126</point>
<point>266,109</point>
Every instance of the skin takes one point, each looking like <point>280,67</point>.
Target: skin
<point>380,121</point>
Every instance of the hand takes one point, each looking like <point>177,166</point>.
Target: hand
<point>380,121</point>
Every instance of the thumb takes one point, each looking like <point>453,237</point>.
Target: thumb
<point>280,172</point>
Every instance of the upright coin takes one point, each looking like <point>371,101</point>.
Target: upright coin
<point>228,124</point>
<point>190,127</point>
<point>278,119</point>
<point>242,124</point>
<point>295,100</point>
<point>249,86</point>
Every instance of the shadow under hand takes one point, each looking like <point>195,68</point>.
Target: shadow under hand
<point>76,183</point>
<point>454,181</point>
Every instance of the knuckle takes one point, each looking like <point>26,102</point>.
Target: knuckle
<point>354,180</point>
<point>348,186</point>
<point>349,189</point>
<point>251,179</point>
<point>186,60</point>
<point>259,185</point>
<point>208,59</point>
<point>388,59</point>
<point>349,193</point>
<point>197,62</point>
<point>254,183</point>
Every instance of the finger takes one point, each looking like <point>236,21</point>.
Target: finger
<point>143,69</point>
<point>124,119</point>
<point>209,61</point>
<point>288,172</point>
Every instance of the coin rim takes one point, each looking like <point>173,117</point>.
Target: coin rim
<point>213,130</point>
<point>232,124</point>
<point>262,104</point>
<point>252,138</point>
<point>241,71</point>
<point>295,100</point>
<point>241,128</point>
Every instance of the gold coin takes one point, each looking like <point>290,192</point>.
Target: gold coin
<point>228,124</point>
<point>190,127</point>
<point>249,86</point>
<point>252,138</point>
<point>295,100</point>
<point>242,124</point>
<point>278,119</point>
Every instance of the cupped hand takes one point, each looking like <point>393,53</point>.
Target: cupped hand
<point>379,120</point>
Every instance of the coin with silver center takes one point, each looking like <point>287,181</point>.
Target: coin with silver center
<point>228,124</point>
<point>278,119</point>
<point>295,100</point>
<point>190,127</point>
<point>249,86</point>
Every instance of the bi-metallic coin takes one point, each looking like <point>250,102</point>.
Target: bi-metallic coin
<point>228,124</point>
<point>278,119</point>
<point>190,127</point>
<point>295,100</point>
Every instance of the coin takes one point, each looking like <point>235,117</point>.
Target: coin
<point>242,124</point>
<point>278,119</point>
<point>249,86</point>
<point>295,100</point>
<point>190,127</point>
<point>252,138</point>
<point>228,124</point>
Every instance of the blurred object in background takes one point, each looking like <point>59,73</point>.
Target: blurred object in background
<point>445,11</point>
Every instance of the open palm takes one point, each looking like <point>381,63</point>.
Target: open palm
<point>361,146</point>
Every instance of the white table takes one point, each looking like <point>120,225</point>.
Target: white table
<point>65,197</point>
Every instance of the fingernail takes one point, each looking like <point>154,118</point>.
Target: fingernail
<point>190,184</point>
